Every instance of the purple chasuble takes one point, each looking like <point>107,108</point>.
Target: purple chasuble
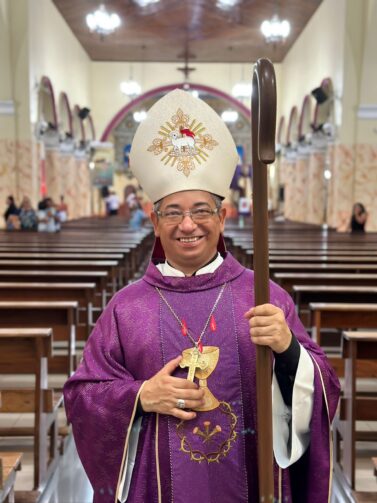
<point>212,458</point>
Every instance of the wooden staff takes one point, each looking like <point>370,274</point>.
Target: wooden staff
<point>263,123</point>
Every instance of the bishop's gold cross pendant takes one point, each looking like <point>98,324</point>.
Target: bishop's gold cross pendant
<point>197,361</point>
<point>201,366</point>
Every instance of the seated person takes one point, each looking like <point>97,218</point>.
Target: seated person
<point>11,214</point>
<point>48,220</point>
<point>62,210</point>
<point>358,218</point>
<point>28,216</point>
<point>138,217</point>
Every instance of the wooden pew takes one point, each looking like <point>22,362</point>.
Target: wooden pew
<point>10,463</point>
<point>60,316</point>
<point>110,266</point>
<point>357,268</point>
<point>343,316</point>
<point>304,294</point>
<point>62,276</point>
<point>323,253</point>
<point>133,253</point>
<point>311,259</point>
<point>52,255</point>
<point>25,351</point>
<point>287,280</point>
<point>83,293</point>
<point>126,256</point>
<point>356,346</point>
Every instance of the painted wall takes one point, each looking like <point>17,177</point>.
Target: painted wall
<point>367,129</point>
<point>34,41</point>
<point>317,53</point>
<point>6,88</point>
<point>58,55</point>
<point>15,145</point>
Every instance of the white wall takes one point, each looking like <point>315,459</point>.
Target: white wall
<point>368,94</point>
<point>107,99</point>
<point>56,53</point>
<point>317,53</point>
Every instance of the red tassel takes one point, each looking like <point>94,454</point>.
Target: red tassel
<point>184,328</point>
<point>200,346</point>
<point>212,323</point>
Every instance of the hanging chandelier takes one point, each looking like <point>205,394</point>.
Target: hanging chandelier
<point>102,22</point>
<point>229,116</point>
<point>275,30</point>
<point>139,116</point>
<point>226,4</point>
<point>130,88</point>
<point>146,3</point>
<point>242,90</point>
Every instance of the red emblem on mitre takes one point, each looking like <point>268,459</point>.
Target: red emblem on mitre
<point>187,132</point>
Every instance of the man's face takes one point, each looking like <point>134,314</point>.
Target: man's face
<point>189,245</point>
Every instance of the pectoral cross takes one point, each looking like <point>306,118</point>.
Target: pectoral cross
<point>196,361</point>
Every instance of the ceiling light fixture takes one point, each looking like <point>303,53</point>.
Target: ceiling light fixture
<point>275,30</point>
<point>229,116</point>
<point>327,174</point>
<point>140,116</point>
<point>226,4</point>
<point>130,88</point>
<point>146,3</point>
<point>102,22</point>
<point>242,90</point>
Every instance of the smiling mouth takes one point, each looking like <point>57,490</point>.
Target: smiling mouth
<point>192,239</point>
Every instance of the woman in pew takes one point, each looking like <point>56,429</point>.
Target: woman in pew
<point>358,218</point>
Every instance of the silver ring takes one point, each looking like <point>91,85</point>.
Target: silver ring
<point>181,403</point>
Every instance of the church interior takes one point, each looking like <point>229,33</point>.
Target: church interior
<point>77,79</point>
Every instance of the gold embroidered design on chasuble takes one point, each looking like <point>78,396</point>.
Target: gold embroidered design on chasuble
<point>183,143</point>
<point>215,440</point>
<point>215,445</point>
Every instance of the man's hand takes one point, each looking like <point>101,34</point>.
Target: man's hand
<point>268,327</point>
<point>161,392</point>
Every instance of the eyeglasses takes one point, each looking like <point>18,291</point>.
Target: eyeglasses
<point>197,215</point>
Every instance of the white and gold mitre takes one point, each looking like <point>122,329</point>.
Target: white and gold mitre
<point>182,145</point>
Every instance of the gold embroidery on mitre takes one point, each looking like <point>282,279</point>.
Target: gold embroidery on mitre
<point>182,143</point>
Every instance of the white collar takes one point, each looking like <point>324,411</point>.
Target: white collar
<point>167,270</point>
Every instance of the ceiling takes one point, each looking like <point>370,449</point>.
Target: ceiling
<point>179,30</point>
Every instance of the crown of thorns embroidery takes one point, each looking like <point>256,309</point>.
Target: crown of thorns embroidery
<point>182,143</point>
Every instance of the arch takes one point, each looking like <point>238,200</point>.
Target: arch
<point>65,114</point>
<point>305,117</point>
<point>281,130</point>
<point>292,126</point>
<point>323,111</point>
<point>78,126</point>
<point>119,116</point>
<point>46,102</point>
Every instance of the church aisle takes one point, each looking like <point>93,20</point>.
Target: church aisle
<point>70,483</point>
